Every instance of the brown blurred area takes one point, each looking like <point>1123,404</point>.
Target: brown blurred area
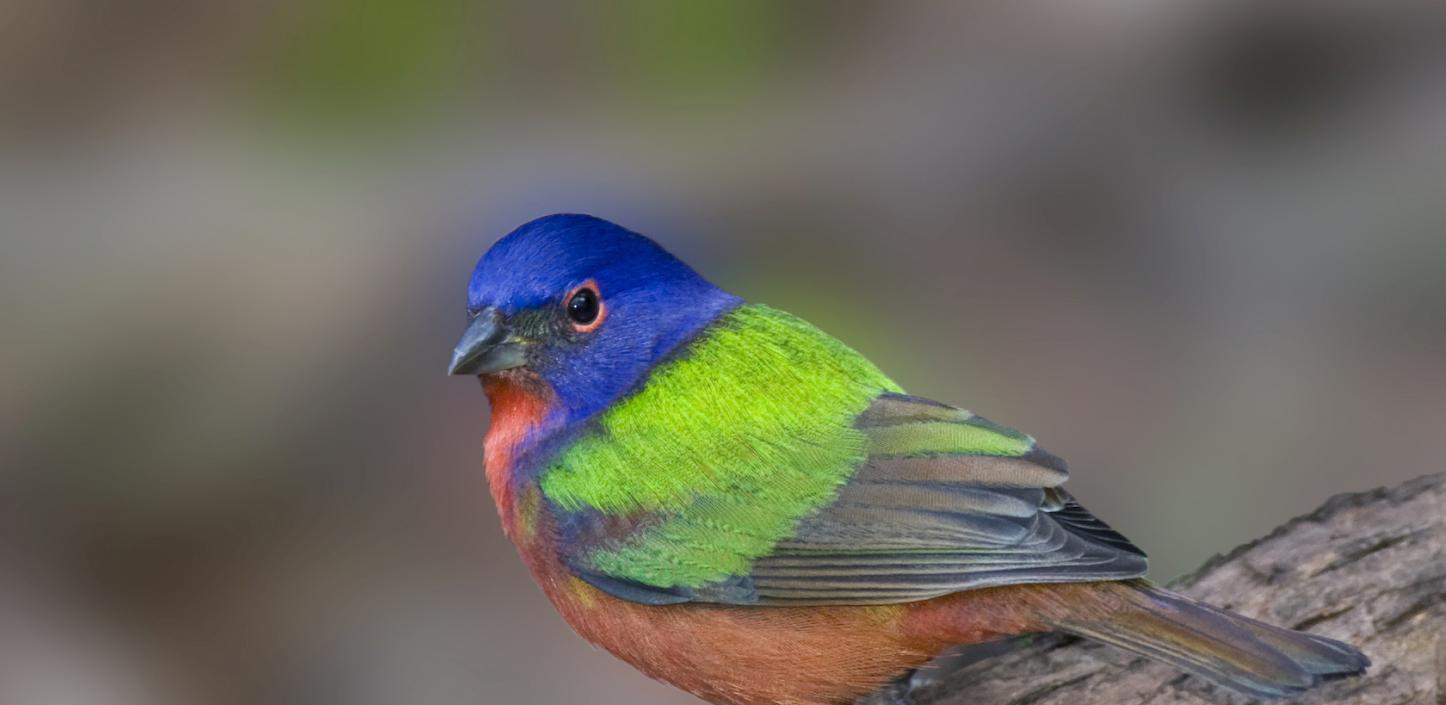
<point>1195,247</point>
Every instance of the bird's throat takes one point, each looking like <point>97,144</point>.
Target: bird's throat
<point>520,403</point>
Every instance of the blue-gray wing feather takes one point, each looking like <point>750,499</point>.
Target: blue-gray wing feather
<point>911,528</point>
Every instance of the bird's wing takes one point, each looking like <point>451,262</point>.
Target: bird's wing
<point>773,465</point>
<point>947,501</point>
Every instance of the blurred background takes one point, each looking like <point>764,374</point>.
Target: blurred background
<point>1194,247</point>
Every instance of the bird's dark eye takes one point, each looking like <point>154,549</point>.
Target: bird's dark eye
<point>584,306</point>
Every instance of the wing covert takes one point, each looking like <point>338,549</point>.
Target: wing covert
<point>773,465</point>
<point>947,501</point>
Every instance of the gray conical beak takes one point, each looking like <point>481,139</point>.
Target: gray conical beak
<point>486,346</point>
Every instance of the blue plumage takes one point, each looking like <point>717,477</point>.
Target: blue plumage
<point>654,303</point>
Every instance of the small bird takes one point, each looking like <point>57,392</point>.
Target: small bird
<point>738,504</point>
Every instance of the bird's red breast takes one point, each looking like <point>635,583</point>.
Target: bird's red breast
<point>520,402</point>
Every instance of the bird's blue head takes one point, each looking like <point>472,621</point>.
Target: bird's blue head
<point>583,304</point>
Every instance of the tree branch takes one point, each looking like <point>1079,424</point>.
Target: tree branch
<point>1367,568</point>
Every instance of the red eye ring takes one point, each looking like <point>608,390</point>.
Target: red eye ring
<point>584,307</point>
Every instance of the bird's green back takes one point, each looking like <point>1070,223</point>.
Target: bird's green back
<point>752,441</point>
<point>722,451</point>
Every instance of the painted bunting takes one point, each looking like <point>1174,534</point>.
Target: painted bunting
<point>740,505</point>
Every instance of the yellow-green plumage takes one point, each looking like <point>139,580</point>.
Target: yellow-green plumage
<point>733,441</point>
<point>728,445</point>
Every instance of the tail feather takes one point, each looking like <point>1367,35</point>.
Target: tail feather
<point>1234,651</point>
<point>1326,658</point>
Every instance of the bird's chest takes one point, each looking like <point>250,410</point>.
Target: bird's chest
<point>519,407</point>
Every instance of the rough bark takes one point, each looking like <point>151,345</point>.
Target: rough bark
<point>1367,568</point>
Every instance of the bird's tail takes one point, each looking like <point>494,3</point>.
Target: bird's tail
<point>1235,651</point>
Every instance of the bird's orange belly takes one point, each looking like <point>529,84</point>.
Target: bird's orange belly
<point>746,656</point>
<point>777,655</point>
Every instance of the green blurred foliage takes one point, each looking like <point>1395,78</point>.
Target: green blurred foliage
<point>380,64</point>
<point>359,62</point>
<point>664,51</point>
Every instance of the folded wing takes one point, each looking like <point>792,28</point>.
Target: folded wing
<point>947,501</point>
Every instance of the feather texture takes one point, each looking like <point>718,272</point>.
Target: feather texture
<point>770,464</point>
<point>947,501</point>
<point>716,458</point>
